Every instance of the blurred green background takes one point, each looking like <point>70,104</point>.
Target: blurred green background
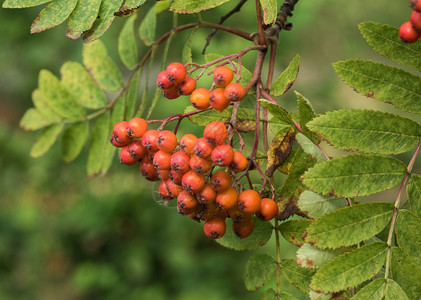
<point>63,236</point>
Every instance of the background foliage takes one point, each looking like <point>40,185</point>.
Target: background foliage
<point>63,236</point>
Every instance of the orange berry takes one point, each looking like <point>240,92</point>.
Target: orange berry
<point>120,133</point>
<point>171,93</point>
<point>207,195</point>
<point>176,72</point>
<point>162,160</point>
<point>126,158</point>
<point>234,92</point>
<point>200,165</point>
<point>223,155</point>
<point>215,133</point>
<point>243,229</point>
<point>249,201</point>
<point>150,139</point>
<point>202,148</point>
<point>227,199</point>
<point>187,86</point>
<point>407,33</point>
<point>148,170</point>
<point>215,228</point>
<point>222,76</point>
<point>187,143</point>
<point>200,98</point>
<point>162,81</point>
<point>193,182</point>
<point>164,192</point>
<point>167,141</point>
<point>221,181</point>
<point>239,162</point>
<point>136,127</point>
<point>180,162</point>
<point>137,150</point>
<point>218,100</point>
<point>268,209</point>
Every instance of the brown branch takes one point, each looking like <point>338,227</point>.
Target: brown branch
<point>272,33</point>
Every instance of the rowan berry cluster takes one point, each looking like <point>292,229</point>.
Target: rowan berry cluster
<point>198,172</point>
<point>410,31</point>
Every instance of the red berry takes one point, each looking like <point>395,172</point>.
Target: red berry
<point>163,191</point>
<point>239,162</point>
<point>200,165</point>
<point>223,155</point>
<point>234,92</point>
<point>218,100</point>
<point>137,150</point>
<point>175,176</point>
<point>206,211</point>
<point>207,195</point>
<point>193,182</point>
<point>222,76</point>
<point>148,170</point>
<point>150,139</point>
<point>407,33</point>
<point>164,174</point>
<point>415,5</point>
<point>200,98</point>
<point>161,160</point>
<point>126,158</point>
<point>202,148</point>
<point>186,201</point>
<point>187,143</point>
<point>268,209</point>
<point>238,216</point>
<point>162,81</point>
<point>171,93</point>
<point>176,72</point>
<point>227,199</point>
<point>180,162</point>
<point>167,141</point>
<point>187,86</point>
<point>174,189</point>
<point>117,144</point>
<point>215,133</point>
<point>120,133</point>
<point>416,20</point>
<point>215,228</point>
<point>137,127</point>
<point>249,201</point>
<point>221,181</point>
<point>243,229</point>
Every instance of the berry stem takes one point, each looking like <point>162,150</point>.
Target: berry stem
<point>278,260</point>
<point>261,36</point>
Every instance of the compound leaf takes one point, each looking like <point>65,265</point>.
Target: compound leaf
<point>384,83</point>
<point>46,140</point>
<point>81,85</point>
<point>355,175</point>
<point>23,3</point>
<point>408,234</point>
<point>99,138</point>
<point>54,14</point>
<point>41,103</point>
<point>350,269</point>
<point>287,78</point>
<point>350,225</point>
<point>32,119</point>
<point>309,147</point>
<point>315,205</point>
<point>298,277</point>
<point>367,131</point>
<point>259,270</point>
<point>413,190</point>
<point>102,68</point>
<point>385,40</point>
<point>73,139</point>
<point>127,47</point>
<point>311,257</point>
<point>82,17</point>
<point>293,230</point>
<point>260,236</point>
<point>406,273</point>
<point>192,6</point>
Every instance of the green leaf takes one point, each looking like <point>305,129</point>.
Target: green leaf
<point>298,277</point>
<point>384,83</point>
<point>41,103</point>
<point>260,236</point>
<point>81,85</point>
<point>350,225</point>
<point>102,68</point>
<point>315,205</point>
<point>287,78</point>
<point>33,120</point>
<point>372,291</point>
<point>413,190</point>
<point>276,125</point>
<point>408,234</point>
<point>82,18</point>
<point>270,294</point>
<point>131,94</point>
<point>277,111</point>
<point>376,132</point>
<point>311,257</point>
<point>293,187</point>
<point>148,27</point>
<point>186,54</point>
<point>192,6</point>
<point>355,175</point>
<point>73,139</point>
<point>259,270</point>
<point>279,149</point>
<point>293,230</point>
<point>127,48</point>
<point>99,138</point>
<point>54,14</point>
<point>129,7</point>
<point>309,147</point>
<point>394,291</point>
<point>162,6</point>
<point>58,98</point>
<point>104,20</point>
<point>23,3</point>
<point>406,273</point>
<point>306,114</point>
<point>350,269</point>
<point>205,117</point>
<point>46,140</point>
<point>385,40</point>
<point>270,11</point>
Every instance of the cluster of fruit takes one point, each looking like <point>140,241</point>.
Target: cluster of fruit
<point>410,31</point>
<point>174,82</point>
<point>187,172</point>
